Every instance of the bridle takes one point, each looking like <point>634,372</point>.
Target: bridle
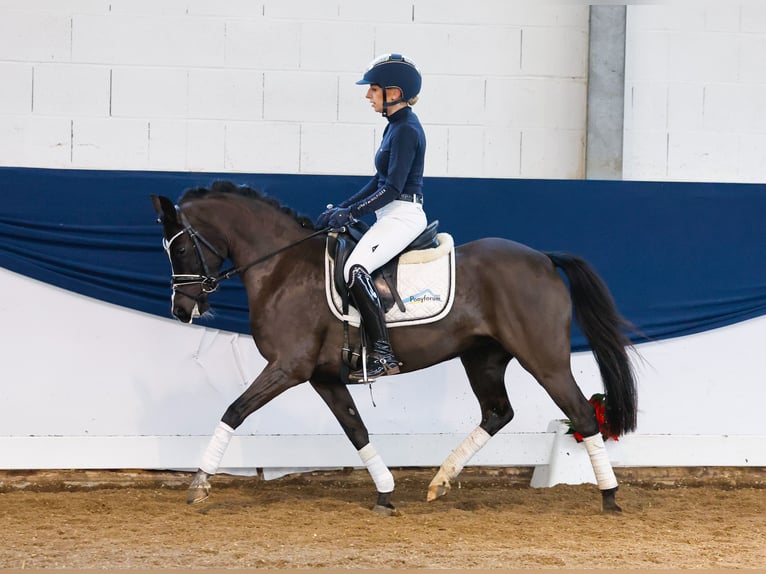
<point>208,282</point>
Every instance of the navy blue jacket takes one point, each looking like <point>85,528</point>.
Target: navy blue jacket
<point>399,163</point>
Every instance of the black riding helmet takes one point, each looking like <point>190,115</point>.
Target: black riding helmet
<point>394,71</point>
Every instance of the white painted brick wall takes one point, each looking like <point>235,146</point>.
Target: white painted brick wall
<point>695,92</point>
<point>269,86</point>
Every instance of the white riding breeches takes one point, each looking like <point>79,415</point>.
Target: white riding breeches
<point>398,223</point>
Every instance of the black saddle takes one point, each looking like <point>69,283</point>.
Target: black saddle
<point>340,245</point>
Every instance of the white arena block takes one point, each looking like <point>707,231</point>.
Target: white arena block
<point>465,151</point>
<point>16,93</point>
<point>703,156</point>
<point>552,153</point>
<point>72,90</point>
<point>110,142</point>
<point>205,145</point>
<point>351,153</point>
<point>28,36</point>
<point>56,6</point>
<point>396,11</point>
<point>225,94</point>
<point>149,92</point>
<point>685,106</point>
<point>499,52</point>
<point>645,155</point>
<point>490,12</point>
<point>502,152</point>
<point>168,141</point>
<point>554,52</point>
<point>268,147</point>
<point>336,46</point>
<point>154,41</point>
<point>300,96</point>
<point>699,56</point>
<point>426,45</point>
<point>568,462</point>
<point>750,66</point>
<point>300,9</point>
<point>437,140</point>
<point>537,102</point>
<point>646,55</point>
<point>35,141</point>
<point>453,100</point>
<point>646,106</point>
<point>262,44</point>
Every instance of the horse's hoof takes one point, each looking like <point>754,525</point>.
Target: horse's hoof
<point>437,490</point>
<point>197,494</point>
<point>385,510</point>
<point>609,501</point>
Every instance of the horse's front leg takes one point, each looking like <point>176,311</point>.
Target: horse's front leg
<point>272,381</point>
<point>338,398</point>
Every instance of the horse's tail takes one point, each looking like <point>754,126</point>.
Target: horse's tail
<point>605,329</point>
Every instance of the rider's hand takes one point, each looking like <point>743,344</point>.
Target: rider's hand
<point>340,217</point>
<point>324,217</point>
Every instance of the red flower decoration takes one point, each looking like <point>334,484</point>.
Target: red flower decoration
<point>598,400</point>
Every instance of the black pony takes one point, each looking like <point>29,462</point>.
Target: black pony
<point>510,302</point>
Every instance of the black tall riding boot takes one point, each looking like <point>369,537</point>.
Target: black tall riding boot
<point>380,356</point>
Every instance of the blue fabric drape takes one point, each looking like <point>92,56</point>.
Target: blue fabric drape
<point>679,258</point>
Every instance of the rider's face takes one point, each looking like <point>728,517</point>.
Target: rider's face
<point>375,95</point>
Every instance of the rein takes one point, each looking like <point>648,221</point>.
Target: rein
<point>209,282</point>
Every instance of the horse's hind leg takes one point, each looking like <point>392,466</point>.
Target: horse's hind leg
<point>485,367</point>
<point>562,388</point>
<point>338,398</point>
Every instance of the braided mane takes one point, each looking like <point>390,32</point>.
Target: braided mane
<point>222,187</point>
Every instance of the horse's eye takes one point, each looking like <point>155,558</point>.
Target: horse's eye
<point>180,250</point>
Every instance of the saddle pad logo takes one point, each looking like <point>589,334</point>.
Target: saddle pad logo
<point>425,282</point>
<point>426,296</point>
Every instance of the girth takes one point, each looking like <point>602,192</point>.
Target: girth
<point>340,246</point>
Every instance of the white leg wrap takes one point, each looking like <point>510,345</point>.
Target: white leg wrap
<point>381,476</point>
<point>600,460</point>
<point>458,458</point>
<point>216,447</point>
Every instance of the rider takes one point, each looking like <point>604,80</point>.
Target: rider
<point>394,194</point>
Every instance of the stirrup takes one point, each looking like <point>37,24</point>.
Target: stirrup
<point>376,367</point>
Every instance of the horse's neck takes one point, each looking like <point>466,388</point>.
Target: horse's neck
<point>257,234</point>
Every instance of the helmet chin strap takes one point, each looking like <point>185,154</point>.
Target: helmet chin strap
<point>387,104</point>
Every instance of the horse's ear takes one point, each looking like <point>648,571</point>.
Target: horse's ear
<point>164,207</point>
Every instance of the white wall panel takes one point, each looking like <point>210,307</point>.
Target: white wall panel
<point>300,96</point>
<point>261,44</point>
<point>330,47</point>
<point>36,142</point>
<point>168,142</point>
<point>205,146</point>
<point>72,90</point>
<point>215,93</point>
<point>708,60</point>
<point>16,93</point>
<point>263,147</point>
<point>553,154</point>
<point>35,36</point>
<point>121,143</point>
<point>147,40</point>
<point>150,93</point>
<point>553,51</point>
<point>337,148</point>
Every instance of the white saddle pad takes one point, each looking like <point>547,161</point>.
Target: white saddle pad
<point>425,282</point>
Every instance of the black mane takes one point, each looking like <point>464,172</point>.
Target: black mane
<point>228,187</point>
